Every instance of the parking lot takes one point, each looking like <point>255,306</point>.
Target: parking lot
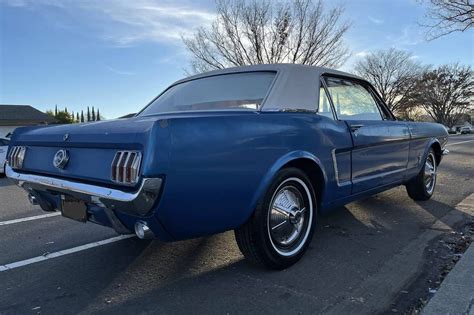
<point>362,258</point>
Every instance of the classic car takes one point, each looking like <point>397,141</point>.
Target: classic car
<point>262,150</point>
<point>465,130</point>
<point>3,154</point>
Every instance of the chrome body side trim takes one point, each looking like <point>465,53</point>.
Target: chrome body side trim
<point>336,170</point>
<point>139,202</point>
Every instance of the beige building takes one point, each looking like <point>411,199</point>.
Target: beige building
<point>14,116</point>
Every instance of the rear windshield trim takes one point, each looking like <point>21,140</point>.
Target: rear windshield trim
<point>276,72</point>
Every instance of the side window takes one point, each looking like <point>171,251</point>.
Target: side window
<point>352,101</point>
<point>383,109</point>
<point>324,108</point>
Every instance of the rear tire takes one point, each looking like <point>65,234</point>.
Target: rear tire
<point>281,227</point>
<point>422,187</point>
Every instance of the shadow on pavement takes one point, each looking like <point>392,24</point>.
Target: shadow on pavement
<point>209,275</point>
<point>4,182</point>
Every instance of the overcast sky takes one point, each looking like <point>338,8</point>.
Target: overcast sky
<point>118,54</point>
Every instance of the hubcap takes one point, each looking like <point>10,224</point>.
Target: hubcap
<point>430,173</point>
<point>290,215</point>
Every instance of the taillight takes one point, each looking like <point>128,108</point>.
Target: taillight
<point>126,167</point>
<point>17,156</point>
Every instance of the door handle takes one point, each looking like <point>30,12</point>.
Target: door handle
<point>356,127</point>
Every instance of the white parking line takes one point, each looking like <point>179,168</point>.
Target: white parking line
<point>36,217</point>
<point>459,142</point>
<point>34,260</point>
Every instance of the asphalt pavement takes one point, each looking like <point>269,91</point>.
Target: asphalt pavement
<point>361,257</point>
<point>456,294</point>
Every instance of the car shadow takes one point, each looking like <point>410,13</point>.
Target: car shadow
<point>209,273</point>
<point>4,182</point>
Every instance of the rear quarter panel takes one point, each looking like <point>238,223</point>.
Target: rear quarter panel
<point>220,166</point>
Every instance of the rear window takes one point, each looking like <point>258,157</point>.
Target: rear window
<point>239,91</point>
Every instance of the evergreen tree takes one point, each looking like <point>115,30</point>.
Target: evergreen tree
<point>82,116</point>
<point>88,114</point>
<point>56,110</point>
<point>77,117</point>
<point>98,115</point>
<point>93,114</point>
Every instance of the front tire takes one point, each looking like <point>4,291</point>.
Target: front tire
<point>422,187</point>
<point>281,227</point>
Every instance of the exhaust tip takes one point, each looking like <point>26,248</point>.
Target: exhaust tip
<point>32,199</point>
<point>143,231</point>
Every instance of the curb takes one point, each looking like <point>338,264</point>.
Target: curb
<point>456,294</point>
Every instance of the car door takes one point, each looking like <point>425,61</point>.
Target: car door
<point>379,155</point>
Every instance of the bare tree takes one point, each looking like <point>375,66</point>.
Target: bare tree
<point>393,73</point>
<point>446,93</point>
<point>249,32</point>
<point>448,16</point>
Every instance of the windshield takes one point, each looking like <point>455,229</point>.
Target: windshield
<point>238,91</point>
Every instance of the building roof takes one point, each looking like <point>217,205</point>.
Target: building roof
<point>23,113</point>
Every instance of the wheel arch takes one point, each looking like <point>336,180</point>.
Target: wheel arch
<point>314,173</point>
<point>437,150</point>
<point>303,160</point>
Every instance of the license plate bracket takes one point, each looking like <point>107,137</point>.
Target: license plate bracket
<point>73,208</point>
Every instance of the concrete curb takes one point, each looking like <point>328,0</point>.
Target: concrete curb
<point>456,294</point>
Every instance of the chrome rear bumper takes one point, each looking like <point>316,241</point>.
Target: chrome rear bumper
<point>139,202</point>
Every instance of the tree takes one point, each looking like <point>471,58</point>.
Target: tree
<point>98,115</point>
<point>445,93</point>
<point>448,16</point>
<point>88,114</point>
<point>248,32</point>
<point>93,114</point>
<point>77,117</point>
<point>64,117</point>
<point>61,117</point>
<point>82,116</point>
<point>55,110</point>
<point>393,73</point>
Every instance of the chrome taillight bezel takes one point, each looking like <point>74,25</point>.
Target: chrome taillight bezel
<point>125,167</point>
<point>16,157</point>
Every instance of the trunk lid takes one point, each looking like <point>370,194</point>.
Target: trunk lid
<point>91,147</point>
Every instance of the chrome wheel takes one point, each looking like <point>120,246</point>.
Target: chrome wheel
<point>290,216</point>
<point>430,173</point>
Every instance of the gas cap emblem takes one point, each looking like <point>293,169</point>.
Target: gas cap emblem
<point>61,158</point>
<point>65,137</point>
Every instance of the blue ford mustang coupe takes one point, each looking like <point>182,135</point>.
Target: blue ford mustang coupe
<point>262,150</point>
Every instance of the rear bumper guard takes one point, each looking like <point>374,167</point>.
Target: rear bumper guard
<point>139,202</point>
